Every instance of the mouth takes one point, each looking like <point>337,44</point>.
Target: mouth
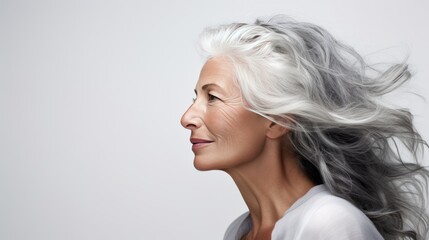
<point>198,143</point>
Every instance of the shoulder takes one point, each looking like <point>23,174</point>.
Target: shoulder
<point>330,217</point>
<point>336,213</point>
<point>238,227</point>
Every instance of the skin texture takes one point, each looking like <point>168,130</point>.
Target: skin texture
<point>215,116</point>
<point>254,151</point>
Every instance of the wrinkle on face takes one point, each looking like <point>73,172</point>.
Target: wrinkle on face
<point>230,117</point>
<point>237,133</point>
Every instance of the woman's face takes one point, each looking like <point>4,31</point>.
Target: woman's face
<point>223,133</point>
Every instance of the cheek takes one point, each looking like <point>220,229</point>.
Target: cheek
<point>238,131</point>
<point>223,123</point>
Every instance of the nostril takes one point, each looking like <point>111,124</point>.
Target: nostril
<point>190,126</point>
<point>187,123</point>
<point>190,119</point>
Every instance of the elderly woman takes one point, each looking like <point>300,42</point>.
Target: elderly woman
<point>295,118</point>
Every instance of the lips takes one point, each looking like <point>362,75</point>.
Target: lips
<point>198,143</point>
<point>199,140</point>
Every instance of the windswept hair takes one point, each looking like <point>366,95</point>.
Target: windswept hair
<point>297,75</point>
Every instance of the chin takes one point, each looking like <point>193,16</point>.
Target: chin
<point>206,164</point>
<point>203,166</point>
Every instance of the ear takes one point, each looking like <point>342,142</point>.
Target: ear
<point>275,131</point>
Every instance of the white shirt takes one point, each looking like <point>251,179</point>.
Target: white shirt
<point>318,215</point>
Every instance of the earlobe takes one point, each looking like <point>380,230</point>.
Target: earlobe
<point>275,131</point>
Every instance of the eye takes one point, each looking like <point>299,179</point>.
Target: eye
<point>212,98</point>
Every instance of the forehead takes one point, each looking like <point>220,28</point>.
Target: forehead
<point>217,71</point>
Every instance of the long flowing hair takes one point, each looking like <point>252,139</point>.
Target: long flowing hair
<point>297,75</point>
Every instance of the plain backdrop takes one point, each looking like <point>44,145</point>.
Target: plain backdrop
<point>91,94</point>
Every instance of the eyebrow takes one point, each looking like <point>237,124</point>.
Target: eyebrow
<point>205,86</point>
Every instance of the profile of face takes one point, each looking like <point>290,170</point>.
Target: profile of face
<point>224,134</point>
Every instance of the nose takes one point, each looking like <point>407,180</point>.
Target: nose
<point>191,119</point>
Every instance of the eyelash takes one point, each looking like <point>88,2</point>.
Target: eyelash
<point>212,98</point>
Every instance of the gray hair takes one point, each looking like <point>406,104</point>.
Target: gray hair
<point>297,75</point>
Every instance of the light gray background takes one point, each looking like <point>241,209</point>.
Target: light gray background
<point>91,93</point>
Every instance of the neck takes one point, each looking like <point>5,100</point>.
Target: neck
<point>270,184</point>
